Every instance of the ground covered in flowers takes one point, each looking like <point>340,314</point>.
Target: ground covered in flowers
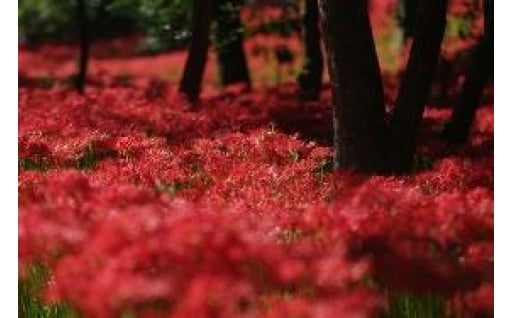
<point>133,203</point>
<point>138,205</point>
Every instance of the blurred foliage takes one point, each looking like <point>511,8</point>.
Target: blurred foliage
<point>43,20</point>
<point>226,32</point>
<point>459,26</point>
<point>29,292</point>
<point>165,24</point>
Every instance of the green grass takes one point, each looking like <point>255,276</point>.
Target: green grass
<point>173,188</point>
<point>27,164</point>
<point>30,305</point>
<point>87,161</point>
<point>325,167</point>
<point>416,306</point>
<point>91,156</point>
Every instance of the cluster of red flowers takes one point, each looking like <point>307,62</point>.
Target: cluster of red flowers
<point>141,207</point>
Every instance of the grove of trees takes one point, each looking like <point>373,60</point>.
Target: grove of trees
<point>363,140</point>
<point>255,158</point>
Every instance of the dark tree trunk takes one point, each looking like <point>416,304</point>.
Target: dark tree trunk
<point>359,126</point>
<point>431,20</point>
<point>407,10</point>
<point>83,29</point>
<point>310,78</point>
<point>190,83</point>
<point>101,16</point>
<point>458,128</point>
<point>230,51</point>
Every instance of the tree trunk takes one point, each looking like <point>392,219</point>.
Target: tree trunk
<point>407,12</point>
<point>458,128</point>
<point>83,29</point>
<point>229,43</point>
<point>190,83</point>
<point>416,83</point>
<point>101,16</point>
<point>359,126</point>
<point>310,78</point>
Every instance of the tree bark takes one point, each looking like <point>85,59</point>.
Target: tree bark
<point>83,29</point>
<point>407,12</point>
<point>230,51</point>
<point>310,78</point>
<point>458,128</point>
<point>101,16</point>
<point>359,126</point>
<point>431,20</point>
<point>192,77</point>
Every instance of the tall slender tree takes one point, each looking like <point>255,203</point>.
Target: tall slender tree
<point>101,17</point>
<point>231,57</point>
<point>84,36</point>
<point>310,78</point>
<point>407,10</point>
<point>359,127</point>
<point>458,128</point>
<point>192,77</point>
<point>410,104</point>
<point>230,53</point>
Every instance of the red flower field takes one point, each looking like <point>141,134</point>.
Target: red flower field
<point>138,205</point>
<point>134,202</point>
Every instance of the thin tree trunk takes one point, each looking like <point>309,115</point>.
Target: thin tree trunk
<point>230,51</point>
<point>458,128</point>
<point>407,12</point>
<point>83,29</point>
<point>431,20</point>
<point>310,78</point>
<point>190,83</point>
<point>359,126</point>
<point>101,16</point>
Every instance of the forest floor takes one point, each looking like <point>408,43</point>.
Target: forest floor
<point>132,203</point>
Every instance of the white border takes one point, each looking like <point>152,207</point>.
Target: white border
<point>502,158</point>
<point>9,159</point>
